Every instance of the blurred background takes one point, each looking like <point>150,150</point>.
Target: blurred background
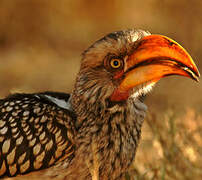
<point>40,47</point>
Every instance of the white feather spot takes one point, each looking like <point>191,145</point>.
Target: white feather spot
<point>37,96</point>
<point>3,130</point>
<point>143,90</point>
<point>2,123</point>
<point>59,102</point>
<point>138,34</point>
<point>6,146</point>
<point>9,108</point>
<point>26,113</point>
<point>135,37</point>
<point>19,140</point>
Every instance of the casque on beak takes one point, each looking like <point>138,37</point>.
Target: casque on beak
<point>154,57</point>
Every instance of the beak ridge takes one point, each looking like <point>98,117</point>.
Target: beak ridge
<point>155,57</point>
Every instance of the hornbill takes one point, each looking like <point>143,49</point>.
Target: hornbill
<point>92,133</point>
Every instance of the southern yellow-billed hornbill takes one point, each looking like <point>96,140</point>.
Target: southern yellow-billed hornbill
<point>92,133</point>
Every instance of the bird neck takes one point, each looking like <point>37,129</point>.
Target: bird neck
<point>91,99</point>
<point>111,131</point>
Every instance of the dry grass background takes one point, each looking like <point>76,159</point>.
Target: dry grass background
<point>40,46</point>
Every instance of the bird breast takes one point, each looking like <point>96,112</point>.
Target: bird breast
<point>110,142</point>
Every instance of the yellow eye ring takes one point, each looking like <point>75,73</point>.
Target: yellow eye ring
<point>115,63</point>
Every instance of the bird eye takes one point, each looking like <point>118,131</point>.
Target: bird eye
<point>115,63</point>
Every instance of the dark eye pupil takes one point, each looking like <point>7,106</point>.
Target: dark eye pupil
<point>116,63</point>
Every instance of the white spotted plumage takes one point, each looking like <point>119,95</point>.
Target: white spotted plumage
<point>31,137</point>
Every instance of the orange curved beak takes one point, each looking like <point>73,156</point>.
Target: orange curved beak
<point>154,57</point>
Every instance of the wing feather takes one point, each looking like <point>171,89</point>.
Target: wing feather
<point>35,133</point>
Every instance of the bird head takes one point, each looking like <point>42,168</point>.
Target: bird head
<point>128,63</point>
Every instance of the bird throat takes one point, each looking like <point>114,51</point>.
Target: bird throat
<point>112,133</point>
